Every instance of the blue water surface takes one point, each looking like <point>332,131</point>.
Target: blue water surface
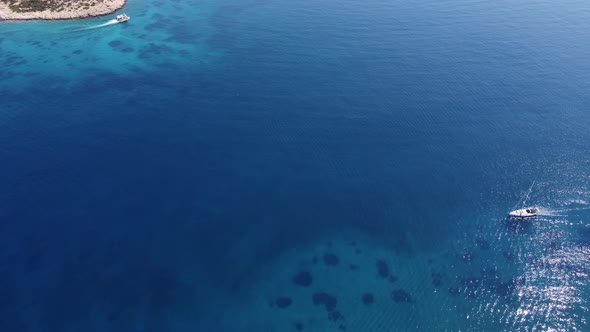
<point>175,172</point>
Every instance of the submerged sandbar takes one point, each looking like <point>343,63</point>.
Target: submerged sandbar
<point>57,9</point>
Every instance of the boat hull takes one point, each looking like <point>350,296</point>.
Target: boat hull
<point>523,213</point>
<point>122,18</point>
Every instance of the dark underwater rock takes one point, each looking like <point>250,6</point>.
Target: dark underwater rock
<point>354,267</point>
<point>401,296</point>
<point>504,288</point>
<point>392,278</point>
<point>115,43</point>
<point>283,302</point>
<point>436,279</point>
<point>489,280</point>
<point>335,315</point>
<point>471,285</point>
<point>303,278</point>
<point>368,298</point>
<point>298,326</point>
<point>382,269</point>
<point>325,299</point>
<point>331,259</point>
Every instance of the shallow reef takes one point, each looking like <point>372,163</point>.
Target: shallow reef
<point>331,259</point>
<point>283,302</point>
<point>401,296</point>
<point>368,298</point>
<point>303,278</point>
<point>382,268</point>
<point>437,279</point>
<point>327,300</point>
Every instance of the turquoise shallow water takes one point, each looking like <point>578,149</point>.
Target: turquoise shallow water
<point>272,166</point>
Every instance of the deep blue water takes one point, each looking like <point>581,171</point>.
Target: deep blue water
<point>176,172</point>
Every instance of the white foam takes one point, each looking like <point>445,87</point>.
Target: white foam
<point>547,212</point>
<point>558,212</point>
<point>107,23</point>
<point>578,201</point>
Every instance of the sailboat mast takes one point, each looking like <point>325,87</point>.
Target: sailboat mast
<point>527,195</point>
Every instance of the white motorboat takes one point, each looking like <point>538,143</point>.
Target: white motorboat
<point>122,18</point>
<point>524,213</point>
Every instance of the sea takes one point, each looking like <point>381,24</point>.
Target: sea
<point>291,165</point>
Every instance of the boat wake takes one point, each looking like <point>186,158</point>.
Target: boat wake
<point>547,212</point>
<point>98,26</point>
<point>560,212</point>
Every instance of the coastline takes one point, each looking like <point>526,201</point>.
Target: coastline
<point>102,8</point>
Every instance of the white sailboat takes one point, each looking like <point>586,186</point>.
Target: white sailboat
<point>525,212</point>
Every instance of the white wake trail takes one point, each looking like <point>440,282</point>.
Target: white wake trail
<point>547,212</point>
<point>107,23</point>
<point>558,212</point>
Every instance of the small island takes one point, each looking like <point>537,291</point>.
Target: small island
<point>57,9</point>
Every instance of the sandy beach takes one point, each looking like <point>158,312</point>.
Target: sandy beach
<point>63,10</point>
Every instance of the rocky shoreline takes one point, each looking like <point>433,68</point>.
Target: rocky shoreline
<point>19,10</point>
